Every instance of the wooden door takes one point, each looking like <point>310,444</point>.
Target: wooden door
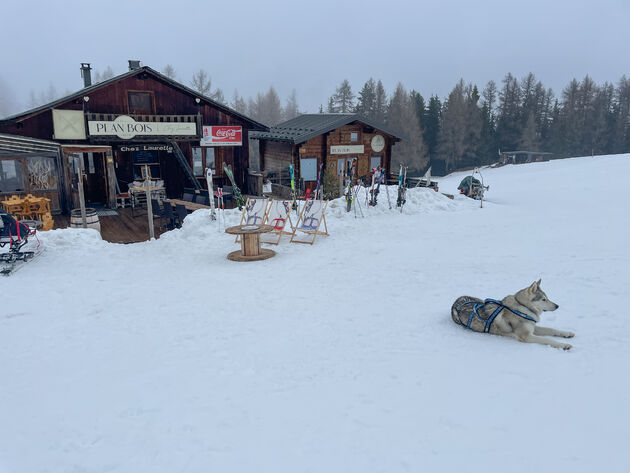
<point>95,178</point>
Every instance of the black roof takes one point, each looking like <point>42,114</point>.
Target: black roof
<point>307,126</point>
<point>142,70</point>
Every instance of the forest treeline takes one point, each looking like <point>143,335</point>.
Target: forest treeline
<point>467,128</point>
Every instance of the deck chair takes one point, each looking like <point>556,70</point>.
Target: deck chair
<point>312,216</point>
<point>253,213</point>
<point>278,215</point>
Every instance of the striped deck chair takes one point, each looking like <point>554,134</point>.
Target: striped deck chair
<point>311,218</point>
<point>278,215</point>
<point>253,213</point>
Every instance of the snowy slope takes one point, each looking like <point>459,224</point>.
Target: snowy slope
<point>166,357</point>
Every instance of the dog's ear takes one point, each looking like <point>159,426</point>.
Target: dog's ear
<point>538,283</point>
<point>533,287</point>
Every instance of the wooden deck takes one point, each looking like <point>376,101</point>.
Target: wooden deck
<point>121,228</point>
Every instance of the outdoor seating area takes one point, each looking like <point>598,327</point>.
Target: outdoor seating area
<point>30,208</point>
<point>137,194</point>
<point>277,213</point>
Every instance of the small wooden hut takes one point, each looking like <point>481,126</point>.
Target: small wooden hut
<point>333,140</point>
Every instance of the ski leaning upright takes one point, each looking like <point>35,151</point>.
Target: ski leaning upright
<point>377,178</point>
<point>402,178</point>
<point>209,173</point>
<point>350,177</point>
<point>294,205</point>
<point>319,175</point>
<point>238,197</point>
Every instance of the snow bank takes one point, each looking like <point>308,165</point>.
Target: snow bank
<point>164,356</point>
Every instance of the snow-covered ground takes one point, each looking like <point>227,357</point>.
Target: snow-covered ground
<point>342,357</point>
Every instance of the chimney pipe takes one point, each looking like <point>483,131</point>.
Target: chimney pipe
<point>86,74</point>
<point>134,64</point>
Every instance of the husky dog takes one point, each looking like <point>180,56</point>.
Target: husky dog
<point>514,316</point>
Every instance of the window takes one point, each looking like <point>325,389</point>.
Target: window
<point>42,174</point>
<point>210,163</point>
<point>308,169</point>
<point>375,161</point>
<point>354,136</point>
<point>197,157</point>
<point>140,103</point>
<point>11,176</point>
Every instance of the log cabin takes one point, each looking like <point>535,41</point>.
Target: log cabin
<point>331,139</point>
<point>116,127</point>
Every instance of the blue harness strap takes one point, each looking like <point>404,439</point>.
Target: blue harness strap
<point>488,322</point>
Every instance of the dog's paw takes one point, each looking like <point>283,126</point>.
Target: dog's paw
<point>565,346</point>
<point>568,335</point>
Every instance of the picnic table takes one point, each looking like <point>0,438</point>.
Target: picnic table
<point>192,206</point>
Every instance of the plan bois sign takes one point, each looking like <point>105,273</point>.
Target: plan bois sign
<point>126,128</point>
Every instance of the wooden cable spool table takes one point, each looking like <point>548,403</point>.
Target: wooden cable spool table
<point>250,243</point>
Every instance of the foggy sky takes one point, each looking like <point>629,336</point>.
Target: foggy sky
<point>312,46</point>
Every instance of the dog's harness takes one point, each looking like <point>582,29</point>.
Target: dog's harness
<point>488,322</point>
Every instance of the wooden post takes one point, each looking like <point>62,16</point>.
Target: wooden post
<point>111,179</point>
<point>147,188</point>
<point>79,156</point>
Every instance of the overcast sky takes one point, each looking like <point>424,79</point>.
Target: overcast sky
<point>312,46</point>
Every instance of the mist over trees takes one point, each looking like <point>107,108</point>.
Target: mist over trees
<point>267,107</point>
<point>98,76</point>
<point>8,105</point>
<point>468,127</point>
<point>202,83</point>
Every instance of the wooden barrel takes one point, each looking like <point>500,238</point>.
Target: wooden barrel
<point>91,219</point>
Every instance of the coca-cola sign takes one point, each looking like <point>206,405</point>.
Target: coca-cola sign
<point>222,136</point>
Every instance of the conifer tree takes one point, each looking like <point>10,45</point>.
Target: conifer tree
<point>343,98</point>
<point>290,110</point>
<point>432,125</point>
<point>402,117</point>
<point>380,103</point>
<point>367,99</point>
<point>419,107</point>
<point>461,127</point>
<point>238,103</point>
<point>509,114</point>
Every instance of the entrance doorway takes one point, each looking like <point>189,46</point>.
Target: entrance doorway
<point>95,178</point>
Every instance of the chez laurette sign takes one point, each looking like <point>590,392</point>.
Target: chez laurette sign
<point>126,128</point>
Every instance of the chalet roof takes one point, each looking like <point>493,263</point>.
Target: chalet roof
<point>14,144</point>
<point>142,70</point>
<point>307,126</point>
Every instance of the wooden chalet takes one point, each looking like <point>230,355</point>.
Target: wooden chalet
<point>115,128</point>
<point>332,139</point>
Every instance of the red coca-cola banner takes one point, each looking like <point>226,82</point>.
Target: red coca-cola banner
<point>222,136</point>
